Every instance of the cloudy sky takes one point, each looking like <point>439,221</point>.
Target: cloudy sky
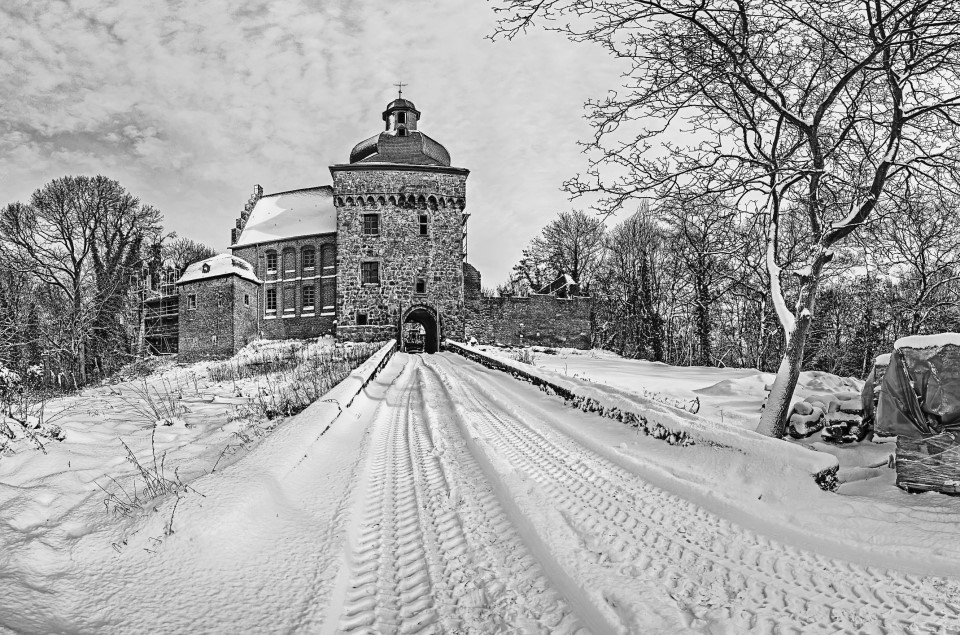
<point>189,104</point>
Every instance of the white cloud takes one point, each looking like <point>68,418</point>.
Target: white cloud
<point>189,104</point>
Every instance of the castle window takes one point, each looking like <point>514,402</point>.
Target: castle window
<point>309,258</point>
<point>402,132</point>
<point>328,294</point>
<point>219,300</point>
<point>424,225</point>
<point>420,287</point>
<point>271,300</point>
<point>369,273</point>
<point>213,339</point>
<point>361,319</point>
<point>191,301</point>
<point>308,295</point>
<point>271,262</point>
<point>328,256</point>
<point>371,224</point>
<point>246,299</point>
<point>401,117</point>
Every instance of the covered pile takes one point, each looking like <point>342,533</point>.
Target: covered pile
<point>920,403</point>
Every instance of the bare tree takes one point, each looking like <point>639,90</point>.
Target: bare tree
<point>920,248</point>
<point>792,106</point>
<point>626,291</point>
<point>703,232</point>
<point>180,253</point>
<point>570,244</point>
<point>78,238</point>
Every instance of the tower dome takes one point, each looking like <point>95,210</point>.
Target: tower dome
<point>401,142</point>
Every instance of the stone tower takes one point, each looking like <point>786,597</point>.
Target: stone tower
<point>401,233</point>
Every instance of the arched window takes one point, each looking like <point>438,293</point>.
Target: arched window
<point>328,259</point>
<point>307,297</point>
<point>309,257</point>
<point>401,117</point>
<point>271,262</point>
<point>272,300</point>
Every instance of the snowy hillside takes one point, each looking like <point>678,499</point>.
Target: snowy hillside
<point>449,498</point>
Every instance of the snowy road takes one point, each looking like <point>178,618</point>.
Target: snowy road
<point>475,513</point>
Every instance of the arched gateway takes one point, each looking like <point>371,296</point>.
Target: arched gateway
<point>420,330</point>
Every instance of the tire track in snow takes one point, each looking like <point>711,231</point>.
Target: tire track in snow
<point>707,564</point>
<point>414,566</point>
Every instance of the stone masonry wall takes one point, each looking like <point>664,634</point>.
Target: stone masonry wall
<point>292,319</point>
<point>221,323</point>
<point>400,196</point>
<point>538,320</point>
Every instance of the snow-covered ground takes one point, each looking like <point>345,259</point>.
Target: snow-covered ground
<point>452,498</point>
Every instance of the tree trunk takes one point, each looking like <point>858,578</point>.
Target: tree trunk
<point>773,421</point>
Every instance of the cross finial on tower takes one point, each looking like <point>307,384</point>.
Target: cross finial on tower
<point>400,86</point>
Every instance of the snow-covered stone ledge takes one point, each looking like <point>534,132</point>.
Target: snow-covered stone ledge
<point>660,421</point>
<point>304,429</point>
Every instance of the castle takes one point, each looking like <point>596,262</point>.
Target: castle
<point>379,253</point>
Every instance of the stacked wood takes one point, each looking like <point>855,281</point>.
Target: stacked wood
<point>929,463</point>
<point>838,415</point>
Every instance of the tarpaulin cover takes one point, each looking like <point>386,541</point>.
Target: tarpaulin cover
<point>920,394</point>
<point>871,389</point>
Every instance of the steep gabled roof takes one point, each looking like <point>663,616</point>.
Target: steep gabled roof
<point>290,214</point>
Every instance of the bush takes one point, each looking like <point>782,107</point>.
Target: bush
<point>525,356</point>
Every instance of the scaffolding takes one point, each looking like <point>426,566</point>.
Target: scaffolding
<point>160,312</point>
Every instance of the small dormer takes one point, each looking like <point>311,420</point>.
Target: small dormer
<point>401,117</point>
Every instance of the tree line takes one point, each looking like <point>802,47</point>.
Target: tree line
<point>809,121</point>
<point>687,285</point>
<point>74,262</point>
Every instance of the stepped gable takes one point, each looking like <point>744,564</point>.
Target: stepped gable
<point>288,215</point>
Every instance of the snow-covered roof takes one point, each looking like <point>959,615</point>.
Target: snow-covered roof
<point>928,341</point>
<point>220,265</point>
<point>290,214</point>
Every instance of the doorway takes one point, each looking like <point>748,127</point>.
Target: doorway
<point>420,332</point>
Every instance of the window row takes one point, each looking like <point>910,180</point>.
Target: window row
<point>308,260</point>
<point>371,224</point>
<point>308,298</point>
<point>220,298</point>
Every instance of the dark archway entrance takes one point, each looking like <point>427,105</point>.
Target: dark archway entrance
<point>420,331</point>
